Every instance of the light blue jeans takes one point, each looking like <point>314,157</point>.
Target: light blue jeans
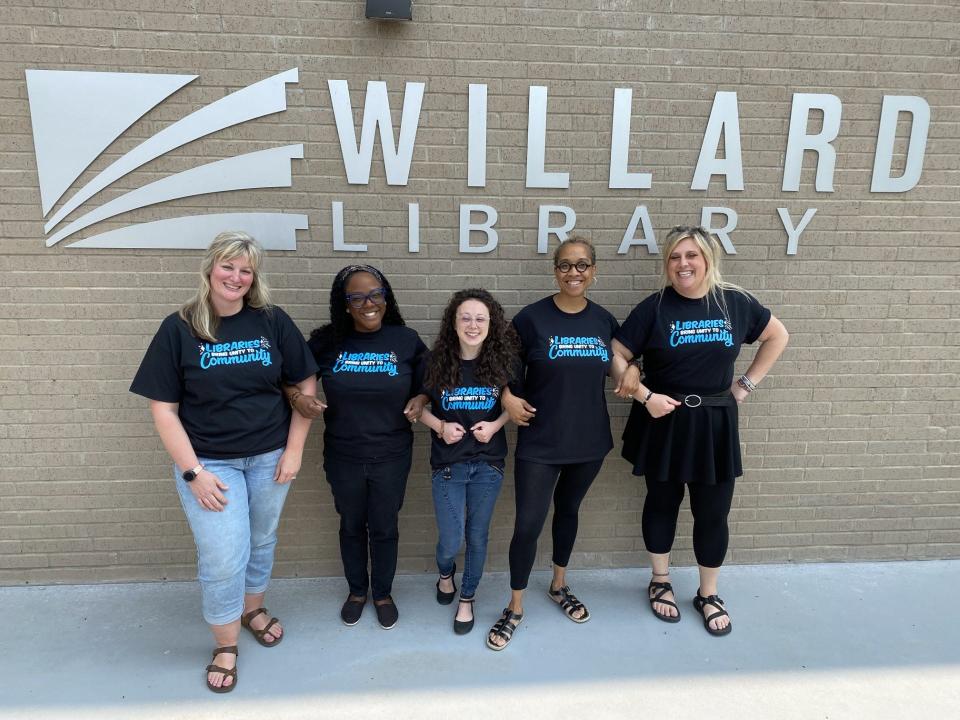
<point>464,495</point>
<point>235,546</point>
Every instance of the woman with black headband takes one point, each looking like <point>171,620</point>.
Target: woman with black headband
<point>682,431</point>
<point>370,371</point>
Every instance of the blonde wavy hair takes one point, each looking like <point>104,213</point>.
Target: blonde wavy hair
<point>709,247</point>
<point>199,312</point>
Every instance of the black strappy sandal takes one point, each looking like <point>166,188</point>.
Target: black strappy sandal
<point>462,627</point>
<point>662,588</point>
<point>231,673</point>
<point>699,602</point>
<point>445,598</point>
<point>569,604</point>
<point>504,628</point>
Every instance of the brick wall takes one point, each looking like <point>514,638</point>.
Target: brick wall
<point>851,444</point>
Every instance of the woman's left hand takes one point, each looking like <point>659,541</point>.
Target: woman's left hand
<point>629,383</point>
<point>738,392</point>
<point>483,431</point>
<point>288,467</point>
<point>414,408</point>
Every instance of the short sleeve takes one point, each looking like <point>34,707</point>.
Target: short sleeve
<point>419,364</point>
<point>160,376</point>
<point>519,370</point>
<point>298,362</point>
<point>757,317</point>
<point>635,331</point>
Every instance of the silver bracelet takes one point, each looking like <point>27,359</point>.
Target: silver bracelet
<point>746,383</point>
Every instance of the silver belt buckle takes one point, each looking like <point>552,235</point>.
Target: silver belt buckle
<point>686,401</point>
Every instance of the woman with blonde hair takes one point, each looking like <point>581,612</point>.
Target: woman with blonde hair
<point>214,374</point>
<point>682,431</point>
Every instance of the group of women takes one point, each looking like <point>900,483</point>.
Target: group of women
<point>233,392</point>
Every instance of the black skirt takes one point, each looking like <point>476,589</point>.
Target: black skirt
<point>689,445</point>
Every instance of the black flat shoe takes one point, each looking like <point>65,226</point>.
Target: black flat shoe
<point>445,598</point>
<point>387,613</point>
<point>352,610</point>
<point>462,627</point>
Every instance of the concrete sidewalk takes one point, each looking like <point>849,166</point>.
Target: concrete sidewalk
<point>878,640</point>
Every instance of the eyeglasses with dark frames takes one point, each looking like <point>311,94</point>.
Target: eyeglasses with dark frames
<point>377,296</point>
<point>581,266</point>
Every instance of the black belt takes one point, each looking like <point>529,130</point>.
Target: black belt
<point>692,400</point>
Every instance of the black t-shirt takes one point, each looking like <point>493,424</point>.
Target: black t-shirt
<point>229,392</point>
<point>468,403</point>
<point>566,358</point>
<point>367,384</point>
<point>690,346</point>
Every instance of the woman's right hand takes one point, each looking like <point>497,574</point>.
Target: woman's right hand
<point>520,410</point>
<point>452,432</point>
<point>208,489</point>
<point>309,406</point>
<point>659,405</point>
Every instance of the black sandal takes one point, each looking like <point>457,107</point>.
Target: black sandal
<point>445,598</point>
<point>504,628</point>
<point>662,588</point>
<point>231,673</point>
<point>699,602</point>
<point>462,627</point>
<point>569,604</point>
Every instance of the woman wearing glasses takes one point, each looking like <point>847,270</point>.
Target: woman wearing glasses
<point>370,370</point>
<point>475,350</point>
<point>682,431</point>
<point>564,433</point>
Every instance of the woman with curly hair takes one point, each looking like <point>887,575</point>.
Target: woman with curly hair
<point>370,370</point>
<point>468,368</point>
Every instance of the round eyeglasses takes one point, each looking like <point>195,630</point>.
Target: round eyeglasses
<point>565,267</point>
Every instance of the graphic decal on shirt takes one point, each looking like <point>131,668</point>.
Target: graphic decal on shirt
<point>238,352</point>
<point>469,398</point>
<point>366,362</point>
<point>690,332</point>
<point>575,346</point>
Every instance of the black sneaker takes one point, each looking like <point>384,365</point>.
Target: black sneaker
<point>387,614</point>
<point>352,610</point>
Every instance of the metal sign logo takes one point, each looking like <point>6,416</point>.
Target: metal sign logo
<point>77,115</point>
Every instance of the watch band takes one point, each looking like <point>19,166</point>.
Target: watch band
<point>191,474</point>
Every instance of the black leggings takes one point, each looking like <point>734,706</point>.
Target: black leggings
<point>535,484</point>
<point>710,505</point>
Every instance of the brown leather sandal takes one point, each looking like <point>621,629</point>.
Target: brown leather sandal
<point>258,634</point>
<point>231,673</point>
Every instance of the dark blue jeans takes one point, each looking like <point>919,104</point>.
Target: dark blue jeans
<point>368,497</point>
<point>464,495</point>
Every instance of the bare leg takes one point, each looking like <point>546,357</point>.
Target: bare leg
<point>660,568</point>
<point>254,601</point>
<point>224,636</point>
<point>708,586</point>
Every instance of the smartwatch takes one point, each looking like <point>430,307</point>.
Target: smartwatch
<point>191,475</point>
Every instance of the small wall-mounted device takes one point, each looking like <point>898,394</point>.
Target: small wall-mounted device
<point>389,10</point>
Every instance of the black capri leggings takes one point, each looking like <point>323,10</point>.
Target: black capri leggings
<point>710,505</point>
<point>535,484</point>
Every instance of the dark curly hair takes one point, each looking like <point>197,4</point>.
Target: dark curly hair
<point>327,340</point>
<point>498,354</point>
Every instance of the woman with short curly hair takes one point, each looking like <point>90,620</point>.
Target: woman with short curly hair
<point>471,361</point>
